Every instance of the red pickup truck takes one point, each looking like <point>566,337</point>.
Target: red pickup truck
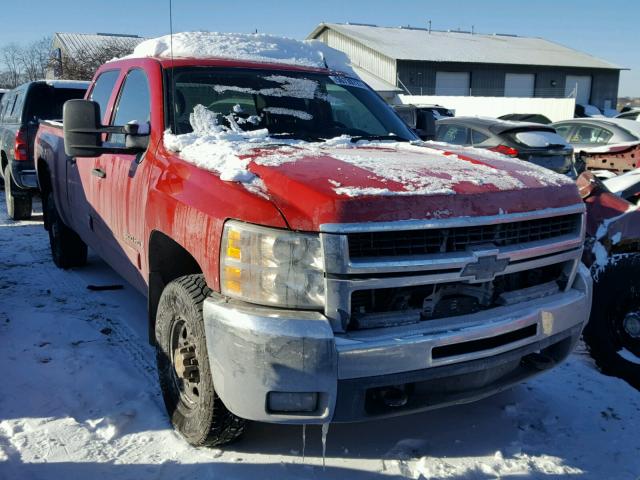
<point>305,257</point>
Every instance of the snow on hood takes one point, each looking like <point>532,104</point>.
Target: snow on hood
<point>256,47</point>
<point>392,168</point>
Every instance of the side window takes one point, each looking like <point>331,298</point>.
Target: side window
<point>564,130</point>
<point>3,105</point>
<point>102,89</point>
<point>16,112</point>
<point>478,137</point>
<point>454,134</point>
<point>591,135</point>
<point>134,103</point>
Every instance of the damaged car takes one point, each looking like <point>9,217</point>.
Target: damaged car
<point>612,252</point>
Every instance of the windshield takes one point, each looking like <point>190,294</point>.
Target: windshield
<point>298,105</point>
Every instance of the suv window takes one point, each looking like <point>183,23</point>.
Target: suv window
<point>45,102</point>
<point>564,130</point>
<point>452,133</point>
<point>134,103</point>
<point>3,104</point>
<point>590,134</point>
<point>478,137</point>
<point>102,89</point>
<point>16,111</point>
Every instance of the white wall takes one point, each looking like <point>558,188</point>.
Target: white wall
<point>555,109</point>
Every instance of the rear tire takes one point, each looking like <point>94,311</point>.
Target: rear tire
<point>195,409</point>
<point>67,248</point>
<point>19,203</point>
<point>612,332</point>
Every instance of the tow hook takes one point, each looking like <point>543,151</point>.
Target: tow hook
<point>186,364</point>
<point>539,361</point>
<point>394,397</point>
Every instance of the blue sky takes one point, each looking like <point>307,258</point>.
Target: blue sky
<point>606,29</point>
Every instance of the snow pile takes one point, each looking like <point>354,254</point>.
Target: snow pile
<point>256,47</point>
<point>215,147</point>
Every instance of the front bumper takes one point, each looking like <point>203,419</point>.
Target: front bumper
<point>256,350</point>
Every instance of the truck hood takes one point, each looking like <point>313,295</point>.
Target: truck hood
<point>384,182</point>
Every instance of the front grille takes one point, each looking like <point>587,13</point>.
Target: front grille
<point>448,240</point>
<point>384,307</point>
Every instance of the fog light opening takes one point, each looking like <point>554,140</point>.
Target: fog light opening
<point>292,402</point>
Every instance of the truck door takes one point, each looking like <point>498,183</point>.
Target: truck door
<point>82,183</point>
<point>121,202</point>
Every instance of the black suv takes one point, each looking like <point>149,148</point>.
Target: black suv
<point>21,110</point>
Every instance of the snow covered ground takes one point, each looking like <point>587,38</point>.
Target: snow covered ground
<point>79,400</point>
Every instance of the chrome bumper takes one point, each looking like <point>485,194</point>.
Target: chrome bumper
<point>255,350</point>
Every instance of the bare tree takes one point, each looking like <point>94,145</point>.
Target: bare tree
<point>83,67</point>
<point>35,58</point>
<point>11,55</point>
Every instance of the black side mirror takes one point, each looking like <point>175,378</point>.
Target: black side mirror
<point>83,131</point>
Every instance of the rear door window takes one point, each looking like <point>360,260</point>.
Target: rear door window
<point>453,133</point>
<point>102,89</point>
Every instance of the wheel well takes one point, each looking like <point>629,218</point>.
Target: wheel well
<point>168,260</point>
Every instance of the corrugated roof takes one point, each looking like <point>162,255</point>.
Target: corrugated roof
<point>91,43</point>
<point>419,44</point>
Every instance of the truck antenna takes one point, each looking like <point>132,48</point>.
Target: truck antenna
<point>173,83</point>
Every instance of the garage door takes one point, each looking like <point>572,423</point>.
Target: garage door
<point>519,85</point>
<point>452,83</point>
<point>578,86</point>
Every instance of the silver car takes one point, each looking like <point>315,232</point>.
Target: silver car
<point>586,133</point>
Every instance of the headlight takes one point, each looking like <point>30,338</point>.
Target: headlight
<point>271,267</point>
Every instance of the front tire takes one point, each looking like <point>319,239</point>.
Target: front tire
<point>19,203</point>
<point>67,248</point>
<point>613,331</point>
<point>195,409</point>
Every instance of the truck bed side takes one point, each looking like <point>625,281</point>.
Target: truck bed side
<point>51,164</point>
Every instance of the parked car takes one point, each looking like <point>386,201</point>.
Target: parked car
<point>526,117</point>
<point>355,278</point>
<point>609,144</point>
<point>612,251</point>
<point>532,142</point>
<point>633,114</point>
<point>422,118</point>
<point>21,110</point>
<point>587,111</point>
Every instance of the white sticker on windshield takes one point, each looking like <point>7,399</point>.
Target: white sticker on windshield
<point>348,82</point>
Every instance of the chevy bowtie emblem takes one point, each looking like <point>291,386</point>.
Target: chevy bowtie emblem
<point>485,268</point>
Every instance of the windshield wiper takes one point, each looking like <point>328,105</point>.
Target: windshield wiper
<point>396,138</point>
<point>299,136</point>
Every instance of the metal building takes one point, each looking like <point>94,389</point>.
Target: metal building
<point>419,61</point>
<point>82,45</point>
